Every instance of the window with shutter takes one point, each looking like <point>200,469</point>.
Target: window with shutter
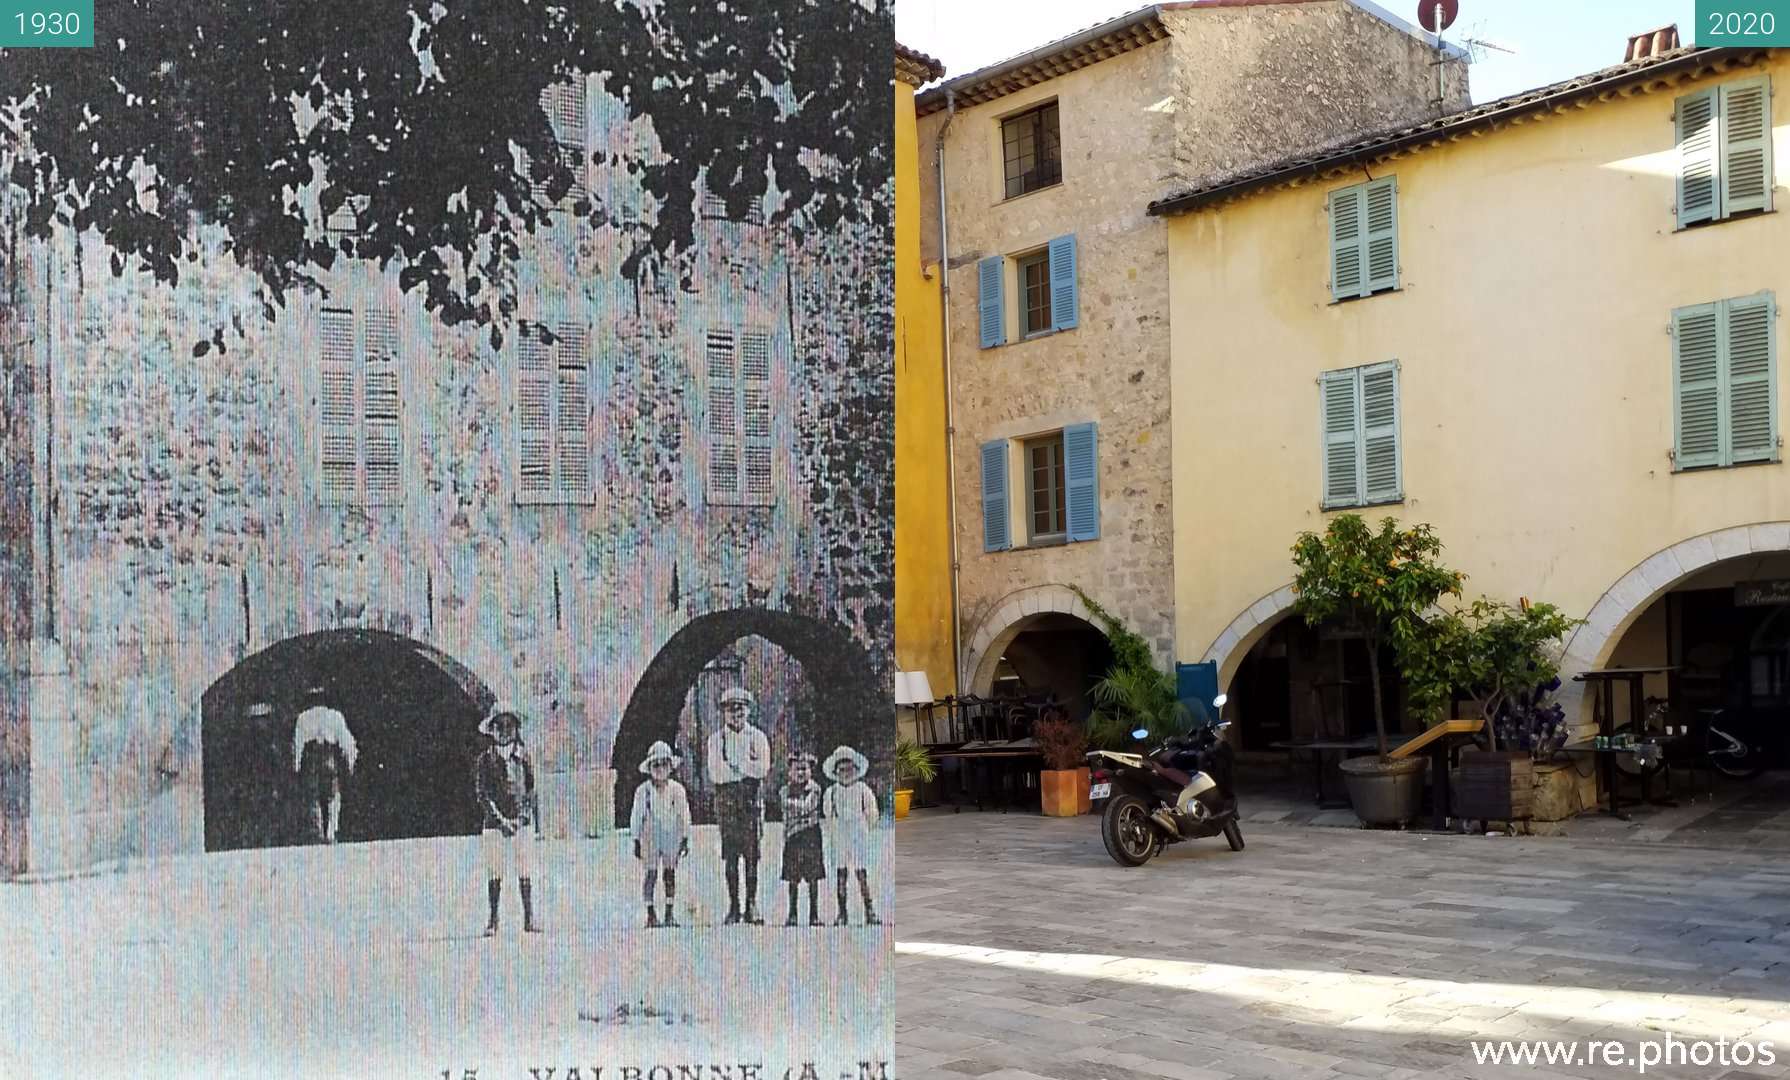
<point>1064,303</point>
<point>991,313</point>
<point>741,425</point>
<point>1724,382</point>
<point>359,405</point>
<point>565,106</point>
<point>1364,239</point>
<point>1082,479</point>
<point>534,418</point>
<point>1359,417</point>
<point>1724,151</point>
<point>572,414</point>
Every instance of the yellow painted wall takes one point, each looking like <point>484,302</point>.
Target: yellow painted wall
<point>922,497</point>
<point>1540,270</point>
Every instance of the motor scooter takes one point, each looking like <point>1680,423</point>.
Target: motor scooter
<point>1180,790</point>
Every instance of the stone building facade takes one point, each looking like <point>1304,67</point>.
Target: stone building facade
<point>217,507</point>
<point>1141,105</point>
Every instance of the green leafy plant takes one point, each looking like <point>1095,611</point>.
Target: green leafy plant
<point>1489,650</point>
<point>913,762</point>
<point>1062,744</point>
<point>1134,693</point>
<point>1378,582</point>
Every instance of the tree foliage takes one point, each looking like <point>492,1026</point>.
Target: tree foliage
<point>429,110</point>
<point>1489,650</point>
<point>1380,582</point>
<point>1134,693</point>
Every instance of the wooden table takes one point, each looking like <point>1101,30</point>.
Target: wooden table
<point>1318,747</point>
<point>986,754</point>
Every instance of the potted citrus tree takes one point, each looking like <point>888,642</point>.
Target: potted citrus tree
<point>1063,782</point>
<point>912,762</point>
<point>1380,583</point>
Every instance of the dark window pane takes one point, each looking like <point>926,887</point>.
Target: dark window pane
<point>1034,283</point>
<point>1045,486</point>
<point>1031,149</point>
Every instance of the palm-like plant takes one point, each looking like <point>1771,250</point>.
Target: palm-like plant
<point>913,761</point>
<point>1132,697</point>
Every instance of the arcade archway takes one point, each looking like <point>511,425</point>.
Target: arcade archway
<point>412,709</point>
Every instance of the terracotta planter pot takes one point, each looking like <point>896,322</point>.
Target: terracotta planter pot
<point>1065,791</point>
<point>903,800</point>
<point>1385,792</point>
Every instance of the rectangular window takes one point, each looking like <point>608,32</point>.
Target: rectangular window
<point>1034,288</point>
<point>1031,150</point>
<point>1724,383</point>
<point>741,436</point>
<point>1363,460</point>
<point>360,452</point>
<point>1364,239</point>
<point>1045,487</point>
<point>1724,151</point>
<point>564,104</point>
<point>553,416</point>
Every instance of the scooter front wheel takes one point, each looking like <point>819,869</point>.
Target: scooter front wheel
<point>1125,827</point>
<point>1233,834</point>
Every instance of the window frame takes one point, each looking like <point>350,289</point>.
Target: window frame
<point>361,370</point>
<point>1056,489</point>
<point>1359,373</point>
<point>1034,114</point>
<point>1723,327</point>
<point>1718,95</point>
<point>1038,261</point>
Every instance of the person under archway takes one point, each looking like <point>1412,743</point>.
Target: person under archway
<point>323,755</point>
<point>739,759</point>
<point>505,784</point>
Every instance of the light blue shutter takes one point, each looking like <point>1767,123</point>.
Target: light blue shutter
<point>1696,386</point>
<point>996,534</point>
<point>1081,481</point>
<point>1339,408</point>
<point>1380,246</point>
<point>1750,352</point>
<point>989,274</point>
<point>1346,225</point>
<point>1064,306</point>
<point>1381,465</point>
<point>1746,146</point>
<point>1695,120</point>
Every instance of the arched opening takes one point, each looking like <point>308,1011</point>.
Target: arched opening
<point>1052,656</point>
<point>815,686</point>
<point>1296,682</point>
<point>413,712</point>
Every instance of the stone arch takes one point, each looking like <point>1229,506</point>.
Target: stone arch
<point>859,702</point>
<point>1235,641</point>
<point>1010,617</point>
<point>1592,644</point>
<point>413,711</point>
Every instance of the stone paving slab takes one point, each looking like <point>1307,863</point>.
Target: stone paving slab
<point>1024,953</point>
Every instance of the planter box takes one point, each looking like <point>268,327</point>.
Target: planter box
<point>1065,791</point>
<point>1494,786</point>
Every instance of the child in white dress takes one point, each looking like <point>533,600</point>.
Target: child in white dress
<point>849,810</point>
<point>660,826</point>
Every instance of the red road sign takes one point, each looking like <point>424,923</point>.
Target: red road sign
<point>1426,14</point>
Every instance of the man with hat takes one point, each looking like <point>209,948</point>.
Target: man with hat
<point>323,752</point>
<point>505,781</point>
<point>739,758</point>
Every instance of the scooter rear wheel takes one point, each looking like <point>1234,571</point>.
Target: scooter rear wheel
<point>1126,830</point>
<point>1233,835</point>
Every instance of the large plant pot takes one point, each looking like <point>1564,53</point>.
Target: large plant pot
<point>903,801</point>
<point>1385,792</point>
<point>1065,791</point>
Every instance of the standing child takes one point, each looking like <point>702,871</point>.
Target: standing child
<point>660,826</point>
<point>802,859</point>
<point>850,810</point>
<point>506,793</point>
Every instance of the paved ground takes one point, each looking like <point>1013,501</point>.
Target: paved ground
<point>1024,952</point>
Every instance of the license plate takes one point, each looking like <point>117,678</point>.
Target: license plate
<point>1100,791</point>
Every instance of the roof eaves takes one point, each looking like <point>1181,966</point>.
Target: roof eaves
<point>916,68</point>
<point>1385,144</point>
<point>1078,50</point>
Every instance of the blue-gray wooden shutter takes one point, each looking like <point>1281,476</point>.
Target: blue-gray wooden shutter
<point>1081,481</point>
<point>1347,271</point>
<point>1696,386</point>
<point>997,535</point>
<point>1746,145</point>
<point>1750,351</point>
<point>990,275</point>
<point>1694,118</point>
<point>338,406</point>
<point>1064,304</point>
<point>1380,236</point>
<point>1340,418</point>
<point>1382,464</point>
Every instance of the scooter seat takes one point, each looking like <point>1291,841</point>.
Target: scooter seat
<point>1171,774</point>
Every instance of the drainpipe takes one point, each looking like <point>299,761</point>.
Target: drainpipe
<point>950,423</point>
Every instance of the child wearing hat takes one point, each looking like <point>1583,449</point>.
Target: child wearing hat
<point>802,859</point>
<point>850,811</point>
<point>660,826</point>
<point>505,780</point>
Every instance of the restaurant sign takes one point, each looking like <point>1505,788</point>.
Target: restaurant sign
<point>1761,593</point>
